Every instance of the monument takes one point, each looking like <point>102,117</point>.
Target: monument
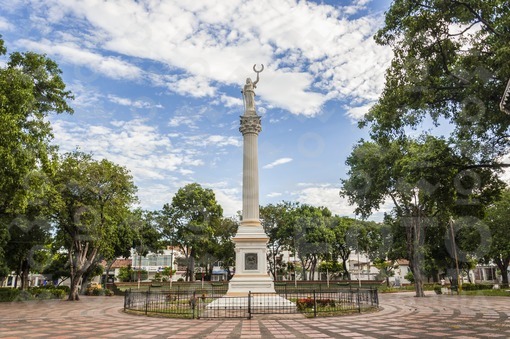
<point>250,240</point>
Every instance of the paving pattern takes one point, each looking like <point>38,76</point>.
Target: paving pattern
<point>401,316</point>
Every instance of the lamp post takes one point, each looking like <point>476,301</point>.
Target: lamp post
<point>139,268</point>
<point>172,257</point>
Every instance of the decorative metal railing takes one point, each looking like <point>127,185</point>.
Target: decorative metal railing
<point>215,304</point>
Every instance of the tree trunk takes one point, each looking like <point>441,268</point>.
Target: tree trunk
<point>415,232</point>
<point>25,271</point>
<point>303,267</point>
<point>192,265</point>
<point>73,292</point>
<point>84,281</point>
<point>346,274</point>
<point>503,267</point>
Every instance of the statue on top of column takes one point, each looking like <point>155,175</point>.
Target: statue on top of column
<point>249,92</point>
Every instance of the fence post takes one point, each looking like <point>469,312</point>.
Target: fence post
<point>249,305</point>
<point>314,305</point>
<point>146,301</point>
<point>193,304</point>
<point>359,302</point>
<point>125,299</point>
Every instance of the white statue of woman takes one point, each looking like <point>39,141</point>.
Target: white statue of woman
<point>249,96</point>
<point>249,93</point>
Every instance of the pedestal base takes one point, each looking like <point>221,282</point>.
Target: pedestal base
<point>241,284</point>
<point>268,303</point>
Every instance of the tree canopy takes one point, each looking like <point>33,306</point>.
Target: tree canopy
<point>451,66</point>
<point>31,89</point>
<point>191,221</point>
<point>96,200</point>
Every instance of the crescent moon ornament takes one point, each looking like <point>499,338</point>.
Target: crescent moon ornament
<point>261,69</point>
<point>255,70</point>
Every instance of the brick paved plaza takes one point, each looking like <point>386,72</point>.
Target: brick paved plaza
<point>401,316</point>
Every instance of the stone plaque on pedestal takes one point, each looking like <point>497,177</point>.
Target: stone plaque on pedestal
<point>250,261</point>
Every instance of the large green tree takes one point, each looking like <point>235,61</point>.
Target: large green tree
<point>416,176</point>
<point>276,221</point>
<point>498,220</point>
<point>451,67</point>
<point>312,238</point>
<point>31,89</point>
<point>191,222</point>
<point>96,197</point>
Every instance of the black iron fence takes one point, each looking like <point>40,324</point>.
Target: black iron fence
<point>215,304</point>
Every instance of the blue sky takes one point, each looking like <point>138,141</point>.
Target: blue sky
<point>157,86</point>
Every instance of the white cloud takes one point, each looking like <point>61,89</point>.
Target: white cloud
<point>5,25</point>
<point>229,101</point>
<point>357,113</point>
<point>324,195</point>
<point>146,153</point>
<point>194,86</point>
<point>312,52</point>
<point>328,196</point>
<point>213,140</point>
<point>139,103</point>
<point>71,53</point>
<point>182,120</point>
<point>277,163</point>
<point>228,198</point>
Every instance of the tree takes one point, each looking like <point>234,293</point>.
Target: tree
<point>386,269</point>
<point>275,220</point>
<point>450,65</point>
<point>31,89</point>
<point>191,221</point>
<point>223,248</point>
<point>498,216</point>
<point>95,197</point>
<point>331,268</point>
<point>417,176</point>
<point>344,242</point>
<point>311,237</point>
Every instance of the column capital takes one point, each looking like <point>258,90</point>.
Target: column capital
<point>250,124</point>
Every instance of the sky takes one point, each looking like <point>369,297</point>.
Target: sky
<point>157,88</point>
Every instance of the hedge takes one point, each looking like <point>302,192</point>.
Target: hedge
<point>33,293</point>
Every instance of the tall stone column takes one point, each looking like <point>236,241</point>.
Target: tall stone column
<point>250,128</point>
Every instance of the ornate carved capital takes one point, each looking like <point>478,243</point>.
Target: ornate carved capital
<point>250,124</point>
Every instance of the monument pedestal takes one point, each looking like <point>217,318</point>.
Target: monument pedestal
<point>251,261</point>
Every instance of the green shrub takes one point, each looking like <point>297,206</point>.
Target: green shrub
<point>66,289</point>
<point>99,291</point>
<point>8,294</point>
<point>33,293</point>
<point>24,296</point>
<point>437,289</point>
<point>476,287</point>
<point>40,293</point>
<point>58,293</point>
